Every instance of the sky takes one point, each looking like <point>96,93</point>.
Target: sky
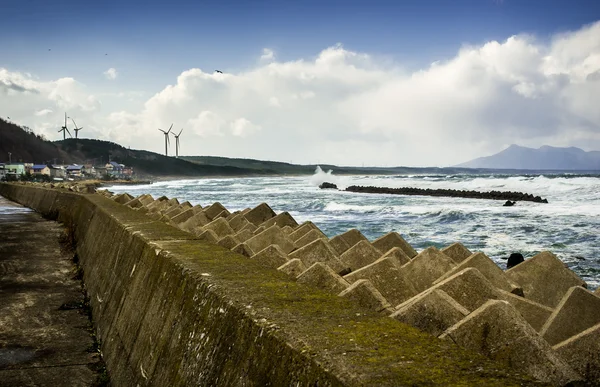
<point>374,83</point>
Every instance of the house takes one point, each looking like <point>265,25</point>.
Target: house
<point>14,169</point>
<point>58,172</point>
<point>89,170</point>
<point>2,171</point>
<point>40,169</point>
<point>118,170</point>
<point>74,170</point>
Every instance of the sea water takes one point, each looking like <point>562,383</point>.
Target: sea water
<point>568,225</point>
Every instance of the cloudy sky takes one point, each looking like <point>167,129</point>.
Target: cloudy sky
<point>412,82</point>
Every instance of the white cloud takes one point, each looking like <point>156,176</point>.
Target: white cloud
<point>347,107</point>
<point>268,55</point>
<point>243,128</point>
<point>43,112</point>
<point>111,74</point>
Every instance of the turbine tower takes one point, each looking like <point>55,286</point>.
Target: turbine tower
<point>166,139</point>
<point>64,129</point>
<point>76,128</point>
<point>177,143</point>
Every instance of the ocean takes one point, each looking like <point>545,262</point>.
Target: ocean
<point>568,225</point>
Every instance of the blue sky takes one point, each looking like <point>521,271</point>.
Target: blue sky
<point>162,37</point>
<point>149,44</point>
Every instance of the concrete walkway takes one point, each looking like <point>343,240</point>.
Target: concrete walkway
<point>44,337</point>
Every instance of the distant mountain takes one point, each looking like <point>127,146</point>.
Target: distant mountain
<point>544,158</point>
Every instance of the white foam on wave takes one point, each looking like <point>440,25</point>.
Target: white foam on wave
<point>342,207</point>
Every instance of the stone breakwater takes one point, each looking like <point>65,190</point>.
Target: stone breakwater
<point>453,193</point>
<point>537,318</point>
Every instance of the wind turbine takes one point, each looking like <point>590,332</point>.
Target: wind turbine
<point>166,139</point>
<point>177,143</point>
<point>64,129</point>
<point>76,128</point>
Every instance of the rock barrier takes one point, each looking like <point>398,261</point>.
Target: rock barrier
<point>509,196</point>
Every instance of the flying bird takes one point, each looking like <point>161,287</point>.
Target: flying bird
<point>218,71</point>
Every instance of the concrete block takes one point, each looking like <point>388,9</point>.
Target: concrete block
<point>318,251</point>
<point>360,255</point>
<point>250,227</point>
<point>488,268</point>
<point>309,237</point>
<point>271,236</point>
<point>185,215</point>
<point>544,278</point>
<point>223,214</point>
<point>271,256</point>
<point>282,220</point>
<point>237,222</point>
<point>534,313</point>
<point>353,236</point>
<point>287,230</point>
<point>293,267</point>
<point>339,244</point>
<point>387,278</point>
<point>498,331</point>
<point>597,291</point>
<point>321,276</point>
<point>198,220</point>
<point>122,198</point>
<point>366,295</point>
<point>220,227</point>
<point>469,288</point>
<point>140,201</point>
<point>397,255</point>
<point>301,230</point>
<point>158,205</point>
<point>432,312</point>
<point>582,352</point>
<point>232,215</point>
<point>426,267</point>
<point>244,235</point>
<point>213,210</point>
<point>259,214</point>
<point>206,235</point>
<point>457,252</point>
<point>393,239</point>
<point>228,241</point>
<point>174,211</point>
<point>577,311</point>
<point>243,249</point>
<point>258,230</point>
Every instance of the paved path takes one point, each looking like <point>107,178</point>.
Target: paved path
<point>41,343</point>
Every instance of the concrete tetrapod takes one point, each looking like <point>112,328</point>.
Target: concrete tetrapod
<point>499,332</point>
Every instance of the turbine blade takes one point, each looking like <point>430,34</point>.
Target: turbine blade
<point>69,132</point>
<point>180,133</point>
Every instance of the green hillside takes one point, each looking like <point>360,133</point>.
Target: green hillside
<point>143,162</point>
<point>26,146</point>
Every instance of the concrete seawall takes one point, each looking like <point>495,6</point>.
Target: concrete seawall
<point>171,309</point>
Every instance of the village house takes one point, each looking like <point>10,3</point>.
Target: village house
<point>75,171</point>
<point>40,169</point>
<point>14,169</point>
<point>58,172</point>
